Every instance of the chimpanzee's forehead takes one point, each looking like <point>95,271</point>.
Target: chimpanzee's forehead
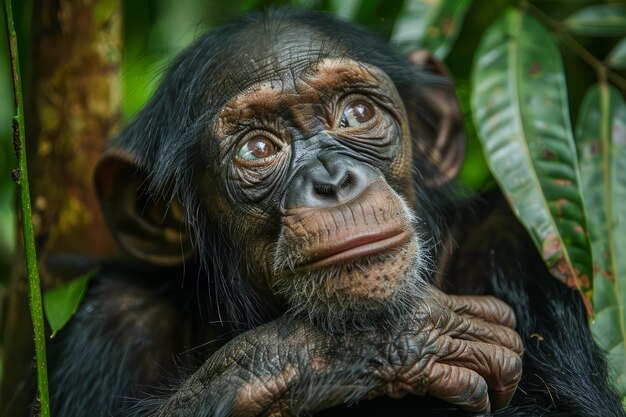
<point>284,43</point>
<point>273,50</point>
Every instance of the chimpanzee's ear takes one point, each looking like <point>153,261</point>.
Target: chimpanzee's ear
<point>151,229</point>
<point>446,149</point>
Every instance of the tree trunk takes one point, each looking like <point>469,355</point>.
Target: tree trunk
<point>73,107</point>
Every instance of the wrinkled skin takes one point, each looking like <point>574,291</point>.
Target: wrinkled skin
<point>289,367</point>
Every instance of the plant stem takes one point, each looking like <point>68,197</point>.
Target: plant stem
<point>20,176</point>
<point>568,40</point>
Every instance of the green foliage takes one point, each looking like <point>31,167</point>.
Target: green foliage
<point>601,141</point>
<point>520,106</point>
<point>433,25</point>
<point>598,20</point>
<point>61,303</point>
<point>519,103</point>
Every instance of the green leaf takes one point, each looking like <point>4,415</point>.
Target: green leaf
<point>431,24</point>
<point>601,142</point>
<point>60,304</point>
<point>598,20</point>
<point>617,57</point>
<point>520,108</point>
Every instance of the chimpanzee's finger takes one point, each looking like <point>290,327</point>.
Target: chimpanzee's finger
<point>501,368</point>
<point>459,386</point>
<point>481,331</point>
<point>485,307</point>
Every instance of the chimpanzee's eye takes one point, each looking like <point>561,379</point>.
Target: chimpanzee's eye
<point>356,113</point>
<point>257,148</point>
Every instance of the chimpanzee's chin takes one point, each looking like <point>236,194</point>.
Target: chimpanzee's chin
<point>358,295</point>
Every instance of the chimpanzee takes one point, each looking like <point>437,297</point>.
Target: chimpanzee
<point>285,194</point>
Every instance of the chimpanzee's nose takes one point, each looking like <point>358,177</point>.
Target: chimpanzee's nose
<point>329,179</point>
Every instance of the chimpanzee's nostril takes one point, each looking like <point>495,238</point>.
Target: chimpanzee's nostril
<point>324,189</point>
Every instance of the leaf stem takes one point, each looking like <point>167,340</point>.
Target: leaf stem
<point>20,177</point>
<point>568,40</point>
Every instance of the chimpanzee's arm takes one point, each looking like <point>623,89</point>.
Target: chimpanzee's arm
<point>288,367</point>
<point>121,346</point>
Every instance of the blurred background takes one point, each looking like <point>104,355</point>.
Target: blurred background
<point>88,66</point>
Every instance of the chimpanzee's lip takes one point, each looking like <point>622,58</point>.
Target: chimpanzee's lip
<point>360,246</point>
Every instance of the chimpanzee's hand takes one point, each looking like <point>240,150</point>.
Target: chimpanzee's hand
<point>470,356</point>
<point>288,367</point>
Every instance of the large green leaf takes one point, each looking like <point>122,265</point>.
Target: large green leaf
<point>431,24</point>
<point>601,141</point>
<point>598,20</point>
<point>520,107</point>
<point>60,304</point>
<point>617,57</point>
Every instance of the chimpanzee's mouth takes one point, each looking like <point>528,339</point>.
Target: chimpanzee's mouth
<point>358,247</point>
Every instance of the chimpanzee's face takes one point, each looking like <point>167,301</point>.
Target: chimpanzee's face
<point>314,170</point>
